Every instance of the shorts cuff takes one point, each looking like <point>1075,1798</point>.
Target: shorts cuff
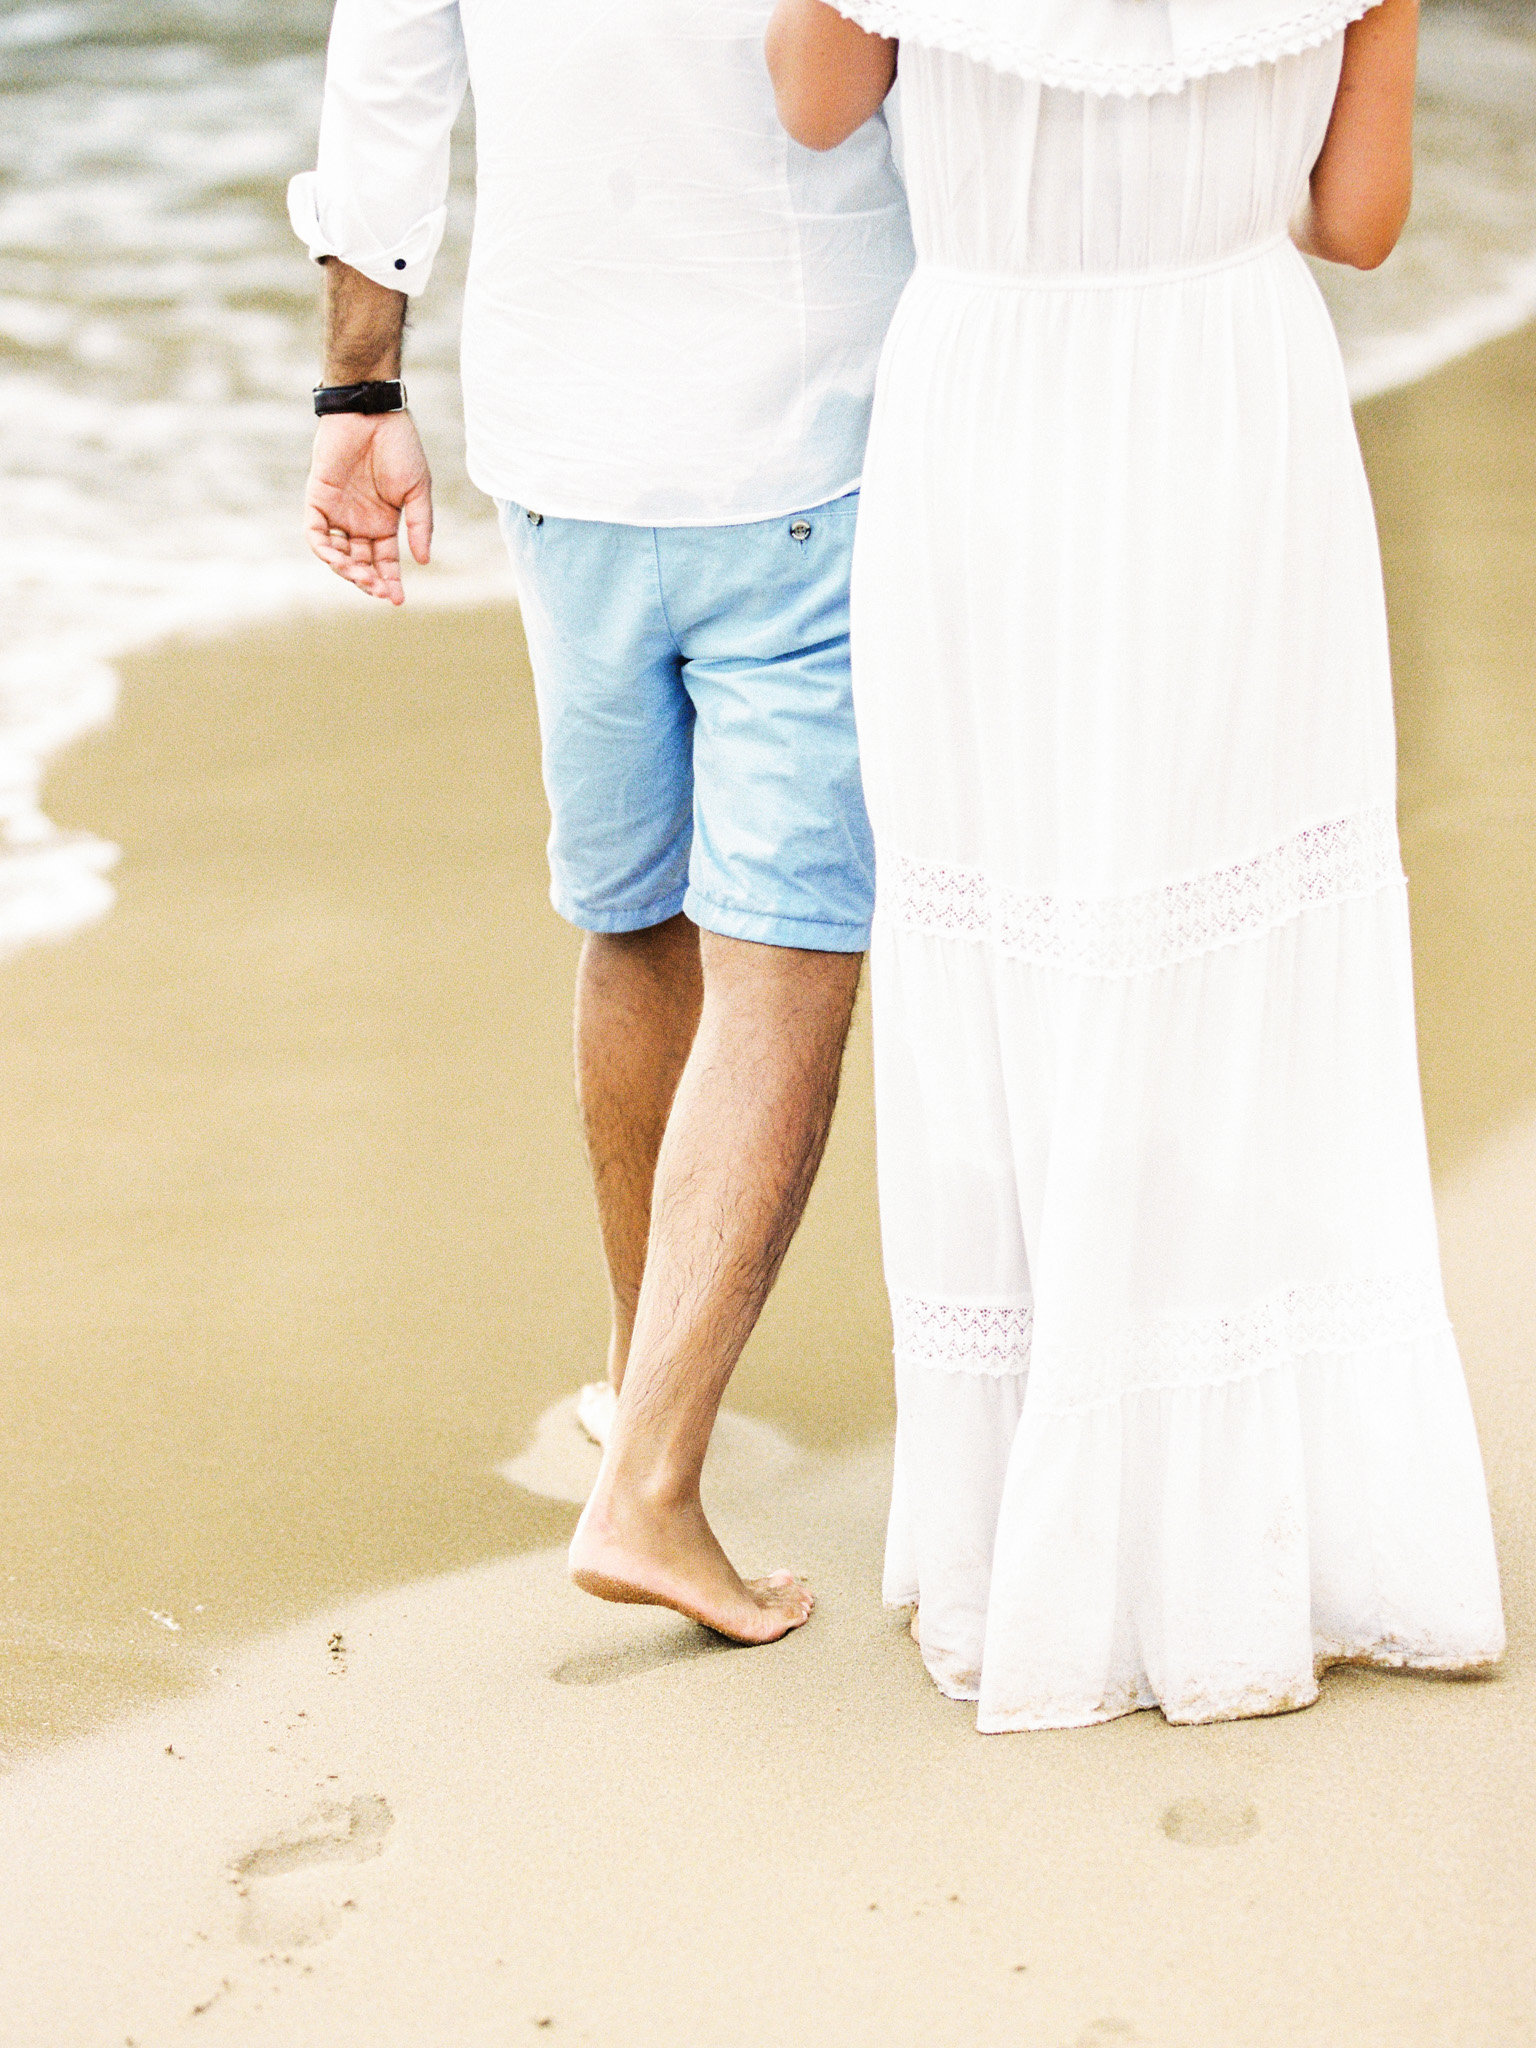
<point>618,920</point>
<point>806,934</point>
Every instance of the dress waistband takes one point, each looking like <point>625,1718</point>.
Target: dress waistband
<point>1099,280</point>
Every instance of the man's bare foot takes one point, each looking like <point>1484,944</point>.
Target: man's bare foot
<point>630,1549</point>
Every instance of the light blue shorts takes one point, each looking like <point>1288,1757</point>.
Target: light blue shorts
<point>697,722</point>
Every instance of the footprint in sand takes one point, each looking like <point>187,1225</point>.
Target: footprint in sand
<point>746,1458</point>
<point>292,1886</point>
<point>1105,2033</point>
<point>1214,1822</point>
<point>562,1460</point>
<point>633,1660</point>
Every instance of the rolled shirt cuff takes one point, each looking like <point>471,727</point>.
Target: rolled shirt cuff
<point>405,266</point>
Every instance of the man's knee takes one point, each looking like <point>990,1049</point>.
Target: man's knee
<point>674,943</point>
<point>638,994</point>
<point>790,981</point>
<point>645,938</point>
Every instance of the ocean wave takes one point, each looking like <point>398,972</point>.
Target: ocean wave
<point>159,330</point>
<point>1383,362</point>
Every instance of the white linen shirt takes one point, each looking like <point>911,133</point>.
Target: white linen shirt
<point>673,313</point>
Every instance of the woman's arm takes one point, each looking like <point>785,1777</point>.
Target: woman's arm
<point>829,75</point>
<point>1363,180</point>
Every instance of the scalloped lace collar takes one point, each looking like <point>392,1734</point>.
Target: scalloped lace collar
<point>1112,46</point>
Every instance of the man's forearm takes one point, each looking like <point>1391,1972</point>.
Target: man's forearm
<point>364,324</point>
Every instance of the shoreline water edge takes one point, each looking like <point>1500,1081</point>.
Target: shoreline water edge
<point>158,332</point>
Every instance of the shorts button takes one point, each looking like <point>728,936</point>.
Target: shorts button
<point>800,530</point>
<point>535,518</point>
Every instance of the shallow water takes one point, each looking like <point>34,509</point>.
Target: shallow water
<point>158,336</point>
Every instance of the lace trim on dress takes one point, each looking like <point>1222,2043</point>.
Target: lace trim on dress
<point>1194,1351</point>
<point>1117,935</point>
<point>1126,47</point>
<point>962,1336</point>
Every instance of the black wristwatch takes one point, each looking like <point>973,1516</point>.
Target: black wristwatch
<point>381,395</point>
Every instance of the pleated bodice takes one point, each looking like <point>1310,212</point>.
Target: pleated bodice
<point>1010,176</point>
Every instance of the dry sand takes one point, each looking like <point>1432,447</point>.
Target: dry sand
<point>300,1268</point>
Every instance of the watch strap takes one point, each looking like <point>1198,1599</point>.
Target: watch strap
<point>378,395</point>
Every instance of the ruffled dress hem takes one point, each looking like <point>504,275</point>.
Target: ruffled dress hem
<point>1384,1656</point>
<point>1347,1540</point>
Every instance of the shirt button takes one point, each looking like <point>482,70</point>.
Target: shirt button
<point>800,530</point>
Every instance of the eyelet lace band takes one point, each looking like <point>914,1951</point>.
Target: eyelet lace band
<point>1196,1351</point>
<point>962,1336</point>
<point>1136,934</point>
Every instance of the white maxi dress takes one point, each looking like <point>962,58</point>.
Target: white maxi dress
<point>1181,1417</point>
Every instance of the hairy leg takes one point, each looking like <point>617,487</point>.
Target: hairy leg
<point>638,996</point>
<point>741,1150</point>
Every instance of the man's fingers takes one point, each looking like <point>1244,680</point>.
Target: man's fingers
<point>418,522</point>
<point>386,563</point>
<point>352,556</point>
<point>362,572</point>
<point>359,468</point>
<point>374,566</point>
<point>337,549</point>
<point>366,577</point>
<point>325,540</point>
<point>349,555</point>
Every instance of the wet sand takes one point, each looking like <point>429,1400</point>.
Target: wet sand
<point>300,1241</point>
<point>299,1254</point>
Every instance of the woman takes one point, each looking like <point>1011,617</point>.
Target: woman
<point>1181,1416</point>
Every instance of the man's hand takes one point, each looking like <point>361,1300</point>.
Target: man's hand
<point>368,471</point>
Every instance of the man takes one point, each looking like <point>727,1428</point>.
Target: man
<point>671,325</point>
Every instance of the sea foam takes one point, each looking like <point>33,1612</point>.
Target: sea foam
<point>159,330</point>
